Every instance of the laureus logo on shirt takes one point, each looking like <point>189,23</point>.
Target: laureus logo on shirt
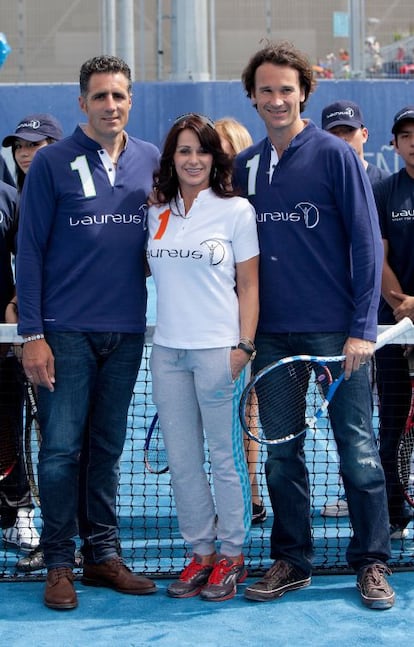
<point>310,214</point>
<point>305,212</point>
<point>404,214</point>
<point>213,248</point>
<point>163,252</point>
<point>139,218</point>
<point>109,218</point>
<point>216,250</point>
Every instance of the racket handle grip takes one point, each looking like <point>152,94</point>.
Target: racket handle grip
<point>394,331</point>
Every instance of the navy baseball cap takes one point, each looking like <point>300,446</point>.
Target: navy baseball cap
<point>34,128</point>
<point>342,113</point>
<point>404,113</point>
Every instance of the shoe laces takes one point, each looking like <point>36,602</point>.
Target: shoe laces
<point>374,575</point>
<point>278,567</point>
<point>221,569</point>
<point>118,563</point>
<point>61,572</point>
<point>192,569</point>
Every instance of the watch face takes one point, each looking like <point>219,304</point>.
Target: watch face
<point>253,355</point>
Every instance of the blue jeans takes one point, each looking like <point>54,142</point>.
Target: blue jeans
<point>83,425</point>
<point>360,465</point>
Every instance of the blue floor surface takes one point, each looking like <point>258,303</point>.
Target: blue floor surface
<point>326,614</point>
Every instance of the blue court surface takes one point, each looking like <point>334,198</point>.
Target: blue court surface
<point>326,614</point>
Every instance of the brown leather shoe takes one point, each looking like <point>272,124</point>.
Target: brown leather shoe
<point>60,592</point>
<point>115,575</point>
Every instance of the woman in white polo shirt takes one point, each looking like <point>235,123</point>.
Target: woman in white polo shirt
<point>203,256</point>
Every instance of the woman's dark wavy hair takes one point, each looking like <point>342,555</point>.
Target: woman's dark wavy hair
<point>281,53</point>
<point>166,182</point>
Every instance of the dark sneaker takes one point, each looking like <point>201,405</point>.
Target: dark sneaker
<point>375,591</point>
<point>35,561</point>
<point>192,579</point>
<point>222,583</point>
<point>279,579</point>
<point>115,575</point>
<point>258,514</point>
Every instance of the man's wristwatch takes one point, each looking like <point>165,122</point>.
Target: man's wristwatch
<point>248,346</point>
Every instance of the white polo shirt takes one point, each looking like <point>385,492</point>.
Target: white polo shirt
<point>192,260</point>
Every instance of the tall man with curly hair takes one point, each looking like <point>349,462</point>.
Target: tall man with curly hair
<point>320,277</point>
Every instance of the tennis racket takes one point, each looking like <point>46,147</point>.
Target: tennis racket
<point>295,392</point>
<point>32,438</point>
<point>405,449</point>
<point>155,455</point>
<point>9,451</point>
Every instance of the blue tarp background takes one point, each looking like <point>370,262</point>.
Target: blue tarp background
<point>156,105</point>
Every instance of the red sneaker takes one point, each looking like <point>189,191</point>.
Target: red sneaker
<point>192,579</point>
<point>222,583</point>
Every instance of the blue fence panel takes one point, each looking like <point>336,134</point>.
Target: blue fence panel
<point>156,105</point>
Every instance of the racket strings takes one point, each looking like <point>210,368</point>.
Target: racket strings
<point>405,451</point>
<point>8,447</point>
<point>287,399</point>
<point>155,454</point>
<point>405,464</point>
<point>156,460</point>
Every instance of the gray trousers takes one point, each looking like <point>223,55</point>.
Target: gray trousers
<point>197,404</point>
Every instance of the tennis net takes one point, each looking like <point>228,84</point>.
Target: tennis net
<point>151,541</point>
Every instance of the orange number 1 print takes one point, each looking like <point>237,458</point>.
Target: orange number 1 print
<point>163,218</point>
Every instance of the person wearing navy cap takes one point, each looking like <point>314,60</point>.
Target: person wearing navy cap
<point>405,114</point>
<point>32,132</point>
<point>395,203</point>
<point>344,119</point>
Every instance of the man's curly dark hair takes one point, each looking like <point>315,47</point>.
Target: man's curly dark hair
<point>101,65</point>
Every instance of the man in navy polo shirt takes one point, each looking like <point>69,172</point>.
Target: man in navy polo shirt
<point>82,302</point>
<point>319,285</point>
